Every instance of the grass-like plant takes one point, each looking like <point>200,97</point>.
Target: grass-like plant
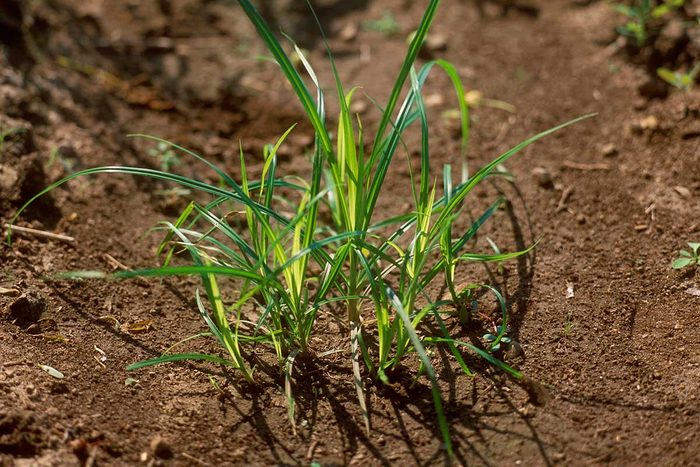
<point>270,239</point>
<point>679,79</point>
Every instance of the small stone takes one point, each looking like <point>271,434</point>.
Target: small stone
<point>691,132</point>
<point>433,43</point>
<point>633,128</point>
<point>649,123</point>
<point>172,66</point>
<point>358,106</point>
<point>80,448</point>
<point>609,150</point>
<point>683,191</point>
<point>8,177</point>
<point>515,350</point>
<point>434,100</point>
<point>58,387</point>
<point>653,89</point>
<point>436,42</point>
<point>640,104</point>
<point>160,448</point>
<point>285,151</point>
<point>581,219</point>
<point>27,309</point>
<point>302,141</point>
<point>349,32</point>
<point>543,177</point>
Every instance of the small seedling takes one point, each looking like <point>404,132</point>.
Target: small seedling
<point>167,158</point>
<point>640,13</point>
<point>688,258</point>
<point>70,164</point>
<point>569,326</point>
<point>497,339</point>
<point>678,79</point>
<point>386,25</point>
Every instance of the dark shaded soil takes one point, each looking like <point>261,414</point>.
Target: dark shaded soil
<point>607,327</point>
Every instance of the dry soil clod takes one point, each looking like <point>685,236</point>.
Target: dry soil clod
<point>543,177</point>
<point>161,448</point>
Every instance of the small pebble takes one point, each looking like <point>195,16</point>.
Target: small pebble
<point>434,100</point>
<point>349,32</point>
<point>515,350</point>
<point>692,132</point>
<point>640,104</point>
<point>653,89</point>
<point>581,219</point>
<point>302,140</point>
<point>160,448</point>
<point>609,150</point>
<point>683,191</point>
<point>649,123</point>
<point>358,107</point>
<point>433,43</point>
<point>436,42</point>
<point>543,177</point>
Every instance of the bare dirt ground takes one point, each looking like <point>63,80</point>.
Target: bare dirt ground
<point>605,324</point>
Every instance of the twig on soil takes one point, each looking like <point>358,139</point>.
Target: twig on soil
<point>192,458</point>
<point>92,459</point>
<point>586,167</point>
<point>115,263</point>
<point>561,206</point>
<point>310,451</point>
<point>17,363</point>
<point>39,233</point>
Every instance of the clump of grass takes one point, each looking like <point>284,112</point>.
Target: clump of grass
<point>268,237</point>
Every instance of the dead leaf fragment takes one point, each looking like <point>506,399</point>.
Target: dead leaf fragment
<point>569,289</point>
<point>55,338</point>
<point>103,356</point>
<point>109,319</point>
<point>137,327</point>
<point>130,382</point>
<point>683,191</point>
<point>52,371</point>
<point>9,292</point>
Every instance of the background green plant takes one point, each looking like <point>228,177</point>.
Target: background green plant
<point>640,13</point>
<point>678,79</point>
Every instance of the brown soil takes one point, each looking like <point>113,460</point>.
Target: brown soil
<point>622,382</point>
